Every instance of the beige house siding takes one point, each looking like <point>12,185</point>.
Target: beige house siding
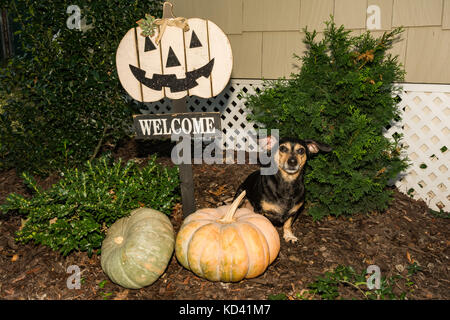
<point>265,34</point>
<point>313,13</point>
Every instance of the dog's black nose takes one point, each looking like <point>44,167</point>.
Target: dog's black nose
<point>292,161</point>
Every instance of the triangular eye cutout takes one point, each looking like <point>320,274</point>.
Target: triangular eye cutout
<point>195,42</point>
<point>149,46</point>
<point>172,60</point>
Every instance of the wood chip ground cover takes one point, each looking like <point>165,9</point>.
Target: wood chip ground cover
<point>405,233</point>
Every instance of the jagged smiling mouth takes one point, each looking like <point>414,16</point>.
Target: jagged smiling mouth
<point>170,80</point>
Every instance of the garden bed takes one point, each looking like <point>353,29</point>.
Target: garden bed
<point>405,235</point>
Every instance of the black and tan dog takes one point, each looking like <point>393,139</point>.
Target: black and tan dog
<point>280,196</point>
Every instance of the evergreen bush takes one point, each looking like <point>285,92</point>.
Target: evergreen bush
<point>344,95</point>
<point>64,97</point>
<point>75,213</point>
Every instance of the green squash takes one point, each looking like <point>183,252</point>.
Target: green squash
<point>138,248</point>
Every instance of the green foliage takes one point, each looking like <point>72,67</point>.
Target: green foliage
<point>278,296</point>
<point>413,268</point>
<point>75,213</point>
<point>67,96</point>
<point>147,25</point>
<point>343,96</point>
<point>330,286</point>
<point>440,214</point>
<point>327,287</point>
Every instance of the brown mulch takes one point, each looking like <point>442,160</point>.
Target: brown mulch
<point>405,233</point>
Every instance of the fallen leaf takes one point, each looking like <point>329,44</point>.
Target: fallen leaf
<point>186,280</point>
<point>9,291</point>
<point>21,277</point>
<point>408,256</point>
<point>121,295</point>
<point>406,218</point>
<point>22,223</point>
<point>202,286</point>
<point>400,268</point>
<point>218,192</point>
<point>176,208</point>
<point>34,270</point>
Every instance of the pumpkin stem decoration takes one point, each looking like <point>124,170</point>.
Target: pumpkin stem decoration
<point>149,23</point>
<point>173,22</point>
<point>228,218</point>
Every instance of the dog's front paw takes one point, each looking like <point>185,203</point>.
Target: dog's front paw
<point>289,237</point>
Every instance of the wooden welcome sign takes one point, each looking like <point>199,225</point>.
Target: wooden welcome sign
<point>164,125</point>
<point>174,58</point>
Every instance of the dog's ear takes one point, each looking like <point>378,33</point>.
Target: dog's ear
<point>315,147</point>
<point>267,143</point>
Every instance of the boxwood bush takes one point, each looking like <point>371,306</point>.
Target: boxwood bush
<point>75,213</point>
<point>344,95</point>
<point>64,96</point>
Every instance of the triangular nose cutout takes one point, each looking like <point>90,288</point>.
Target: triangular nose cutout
<point>172,60</point>
<point>195,42</point>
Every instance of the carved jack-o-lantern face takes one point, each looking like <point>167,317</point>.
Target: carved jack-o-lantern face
<point>196,62</point>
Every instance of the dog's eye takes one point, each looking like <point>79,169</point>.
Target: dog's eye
<point>283,149</point>
<point>301,151</point>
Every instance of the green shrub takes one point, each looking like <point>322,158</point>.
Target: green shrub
<point>344,95</point>
<point>67,98</point>
<point>75,212</point>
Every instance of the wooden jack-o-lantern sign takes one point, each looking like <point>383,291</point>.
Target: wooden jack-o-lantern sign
<point>195,60</point>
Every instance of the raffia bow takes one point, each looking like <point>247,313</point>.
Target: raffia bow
<point>173,22</point>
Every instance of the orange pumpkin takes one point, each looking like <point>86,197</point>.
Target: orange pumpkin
<point>227,244</point>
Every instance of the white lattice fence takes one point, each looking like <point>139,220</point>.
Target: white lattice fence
<point>425,126</point>
<point>233,113</point>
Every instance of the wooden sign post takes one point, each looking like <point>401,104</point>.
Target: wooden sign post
<point>186,176</point>
<point>174,58</point>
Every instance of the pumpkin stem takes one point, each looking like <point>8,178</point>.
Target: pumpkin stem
<point>229,215</point>
<point>118,240</point>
